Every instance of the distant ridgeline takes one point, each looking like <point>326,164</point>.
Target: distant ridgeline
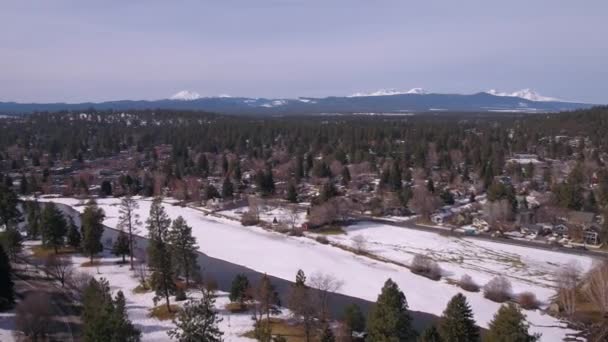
<point>361,104</point>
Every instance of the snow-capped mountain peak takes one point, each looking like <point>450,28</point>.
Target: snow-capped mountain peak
<point>186,95</point>
<point>527,94</point>
<point>392,91</point>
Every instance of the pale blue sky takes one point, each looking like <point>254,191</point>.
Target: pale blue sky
<point>81,50</point>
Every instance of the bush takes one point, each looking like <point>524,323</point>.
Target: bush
<point>211,284</point>
<point>249,219</point>
<point>528,301</point>
<point>498,290</point>
<point>468,284</point>
<point>425,266</point>
<point>296,232</point>
<point>322,239</point>
<point>180,295</point>
<point>360,244</point>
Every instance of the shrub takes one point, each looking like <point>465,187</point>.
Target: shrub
<point>322,239</point>
<point>296,232</point>
<point>425,266</point>
<point>360,244</point>
<point>180,295</point>
<point>468,284</point>
<point>249,219</point>
<point>528,301</point>
<point>211,284</point>
<point>498,290</point>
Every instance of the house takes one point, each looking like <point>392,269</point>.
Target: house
<point>591,235</point>
<point>560,229</point>
<point>441,217</point>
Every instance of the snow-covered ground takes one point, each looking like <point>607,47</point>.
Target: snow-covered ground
<point>281,256</point>
<point>7,325</point>
<point>234,325</point>
<point>268,213</point>
<point>528,269</point>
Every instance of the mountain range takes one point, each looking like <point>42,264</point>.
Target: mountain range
<point>379,102</point>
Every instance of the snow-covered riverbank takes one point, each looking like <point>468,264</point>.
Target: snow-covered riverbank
<point>281,256</point>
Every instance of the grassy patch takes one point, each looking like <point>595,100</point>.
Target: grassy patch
<point>41,251</point>
<point>162,313</point>
<point>95,263</point>
<point>330,230</point>
<point>291,332</point>
<point>236,307</point>
<point>141,289</point>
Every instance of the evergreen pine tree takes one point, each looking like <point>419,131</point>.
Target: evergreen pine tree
<point>327,335</point>
<point>54,227</point>
<point>590,203</point>
<point>106,188</point>
<point>237,174</point>
<point>292,194</point>
<point>23,186</point>
<point>129,221</point>
<point>123,329</point>
<point>92,229</point>
<point>430,185</point>
<point>9,213</point>
<point>183,249</point>
<point>328,190</point>
<point>74,238</point>
<point>227,188</point>
<point>224,165</point>
<point>430,335</point>
<point>345,176</point>
<point>394,177</point>
<point>33,219</point>
<point>159,255</point>
<point>509,325</point>
<point>239,291</point>
<point>354,319</point>
<point>12,241</point>
<point>198,321</point>
<point>299,168</point>
<point>301,305</point>
<point>7,291</point>
<point>389,319</point>
<point>121,245</point>
<point>457,323</point>
<point>105,318</point>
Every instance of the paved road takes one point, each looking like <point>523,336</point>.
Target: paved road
<point>65,324</point>
<point>411,224</point>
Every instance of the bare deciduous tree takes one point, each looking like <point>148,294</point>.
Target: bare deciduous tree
<point>324,284</point>
<point>33,314</point>
<point>141,268</point>
<point>293,216</point>
<point>78,281</point>
<point>498,289</point>
<point>423,202</point>
<point>497,211</point>
<point>59,267</point>
<point>323,214</point>
<point>567,281</point>
<point>596,286</point>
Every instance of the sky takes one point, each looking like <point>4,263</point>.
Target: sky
<point>93,50</point>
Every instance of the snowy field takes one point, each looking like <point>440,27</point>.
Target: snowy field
<point>528,269</point>
<point>281,256</point>
<point>269,213</point>
<point>234,325</point>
